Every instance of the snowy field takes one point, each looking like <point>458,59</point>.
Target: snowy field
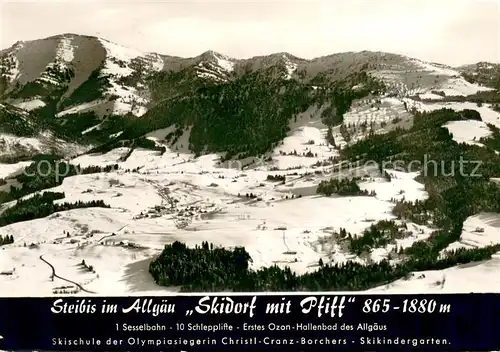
<point>120,242</point>
<point>207,203</point>
<point>468,131</point>
<point>488,115</point>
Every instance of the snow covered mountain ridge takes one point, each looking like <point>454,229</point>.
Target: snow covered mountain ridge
<point>94,74</point>
<point>87,89</point>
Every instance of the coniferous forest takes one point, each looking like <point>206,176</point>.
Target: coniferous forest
<point>212,269</point>
<point>245,117</point>
<point>342,187</point>
<point>47,171</point>
<point>42,205</point>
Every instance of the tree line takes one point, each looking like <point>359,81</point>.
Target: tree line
<point>47,171</point>
<point>208,268</point>
<point>42,205</point>
<point>342,187</point>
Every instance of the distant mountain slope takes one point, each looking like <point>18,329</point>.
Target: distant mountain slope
<point>249,115</point>
<point>73,73</point>
<point>90,90</point>
<point>484,73</point>
<point>81,73</point>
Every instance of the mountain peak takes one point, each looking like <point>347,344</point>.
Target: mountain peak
<point>69,35</point>
<point>214,55</point>
<point>286,55</point>
<point>70,60</point>
<point>209,53</point>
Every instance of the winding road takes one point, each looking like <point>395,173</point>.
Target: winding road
<point>54,274</point>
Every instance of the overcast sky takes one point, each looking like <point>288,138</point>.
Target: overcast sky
<point>453,32</point>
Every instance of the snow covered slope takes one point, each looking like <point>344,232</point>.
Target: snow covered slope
<point>141,214</point>
<point>97,75</point>
<point>84,73</point>
<point>175,196</point>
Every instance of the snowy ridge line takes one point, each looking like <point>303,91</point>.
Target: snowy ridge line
<point>117,65</point>
<point>217,67</point>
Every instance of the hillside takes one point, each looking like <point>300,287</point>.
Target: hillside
<point>306,167</point>
<point>484,73</point>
